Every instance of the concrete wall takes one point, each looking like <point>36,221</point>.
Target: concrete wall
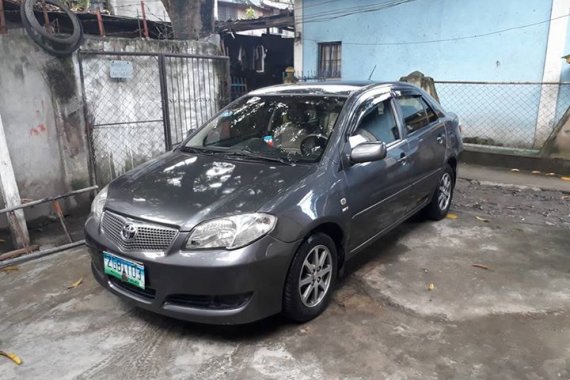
<point>562,142</point>
<point>43,120</point>
<point>428,35</point>
<point>564,77</point>
<point>43,112</point>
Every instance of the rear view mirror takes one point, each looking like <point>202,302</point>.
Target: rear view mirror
<point>368,152</point>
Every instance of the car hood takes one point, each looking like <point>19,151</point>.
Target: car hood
<point>182,189</point>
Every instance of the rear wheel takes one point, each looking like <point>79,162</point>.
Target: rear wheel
<point>441,201</point>
<point>311,278</point>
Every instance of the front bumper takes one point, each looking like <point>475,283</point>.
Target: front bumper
<point>210,286</point>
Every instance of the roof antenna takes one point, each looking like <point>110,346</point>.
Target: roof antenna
<point>370,76</point>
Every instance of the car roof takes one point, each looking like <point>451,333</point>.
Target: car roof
<point>339,88</point>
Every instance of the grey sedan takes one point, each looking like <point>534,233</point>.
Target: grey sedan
<point>258,211</point>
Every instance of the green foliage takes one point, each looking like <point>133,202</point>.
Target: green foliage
<point>77,5</point>
<point>250,13</point>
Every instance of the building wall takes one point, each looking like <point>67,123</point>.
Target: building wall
<point>392,40</point>
<point>517,55</point>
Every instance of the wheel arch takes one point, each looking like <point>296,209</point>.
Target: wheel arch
<point>336,232</point>
<point>452,161</point>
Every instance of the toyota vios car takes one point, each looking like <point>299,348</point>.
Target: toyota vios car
<point>257,212</point>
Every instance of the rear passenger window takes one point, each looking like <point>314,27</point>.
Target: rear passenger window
<point>416,113</point>
<point>432,116</point>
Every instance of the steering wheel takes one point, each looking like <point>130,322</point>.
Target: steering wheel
<point>312,143</point>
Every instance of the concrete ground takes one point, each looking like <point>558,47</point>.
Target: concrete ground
<point>514,176</point>
<point>509,321</point>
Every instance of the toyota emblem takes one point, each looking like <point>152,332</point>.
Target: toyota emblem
<point>129,232</point>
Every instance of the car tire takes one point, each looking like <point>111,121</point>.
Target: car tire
<point>440,203</point>
<point>301,302</point>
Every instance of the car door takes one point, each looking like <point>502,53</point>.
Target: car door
<point>377,191</point>
<point>426,136</point>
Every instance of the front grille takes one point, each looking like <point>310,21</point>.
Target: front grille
<point>148,237</point>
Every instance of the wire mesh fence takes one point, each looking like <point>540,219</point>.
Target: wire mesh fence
<point>505,114</point>
<point>517,115</point>
<point>124,116</point>
<point>140,113</point>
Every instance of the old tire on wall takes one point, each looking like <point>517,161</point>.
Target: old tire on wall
<point>27,10</point>
<point>53,46</point>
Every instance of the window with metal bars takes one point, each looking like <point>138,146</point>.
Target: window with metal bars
<point>330,54</point>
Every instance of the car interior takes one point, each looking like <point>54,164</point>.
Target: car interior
<point>379,124</point>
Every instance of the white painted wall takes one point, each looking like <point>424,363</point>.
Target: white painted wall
<point>552,70</point>
<point>9,192</point>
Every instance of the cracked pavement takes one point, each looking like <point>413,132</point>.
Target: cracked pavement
<point>510,321</point>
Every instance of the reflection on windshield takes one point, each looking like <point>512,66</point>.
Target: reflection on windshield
<point>286,128</point>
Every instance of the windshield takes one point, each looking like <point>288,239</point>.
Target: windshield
<point>284,128</point>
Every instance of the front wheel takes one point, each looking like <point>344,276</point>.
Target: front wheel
<point>311,278</point>
<point>441,201</point>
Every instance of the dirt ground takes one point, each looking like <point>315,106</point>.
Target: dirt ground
<point>508,318</point>
<point>517,204</point>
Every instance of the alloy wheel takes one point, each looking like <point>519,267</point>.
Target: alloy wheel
<point>315,277</point>
<point>444,196</point>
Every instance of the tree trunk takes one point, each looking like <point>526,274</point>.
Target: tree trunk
<point>191,19</point>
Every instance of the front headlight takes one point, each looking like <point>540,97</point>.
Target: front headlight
<point>231,232</point>
<point>99,203</point>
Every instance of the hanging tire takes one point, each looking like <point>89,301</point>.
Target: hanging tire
<point>27,10</point>
<point>57,49</point>
<point>440,203</point>
<point>311,278</point>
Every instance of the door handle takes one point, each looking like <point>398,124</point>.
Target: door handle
<point>403,159</point>
<point>439,139</point>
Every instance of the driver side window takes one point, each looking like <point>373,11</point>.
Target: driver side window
<point>378,124</point>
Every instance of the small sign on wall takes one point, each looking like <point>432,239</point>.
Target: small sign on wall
<point>121,69</point>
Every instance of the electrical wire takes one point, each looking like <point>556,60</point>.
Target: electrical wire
<point>448,39</point>
<point>334,14</point>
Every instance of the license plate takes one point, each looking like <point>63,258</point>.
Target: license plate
<point>125,270</point>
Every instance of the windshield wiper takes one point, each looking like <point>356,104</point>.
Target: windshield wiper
<point>250,154</point>
<point>191,149</point>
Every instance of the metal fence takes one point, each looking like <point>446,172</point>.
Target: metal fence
<point>505,114</point>
<point>509,114</point>
<point>196,87</point>
<point>148,104</point>
<point>239,87</point>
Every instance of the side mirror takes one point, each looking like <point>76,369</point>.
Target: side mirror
<point>367,152</point>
